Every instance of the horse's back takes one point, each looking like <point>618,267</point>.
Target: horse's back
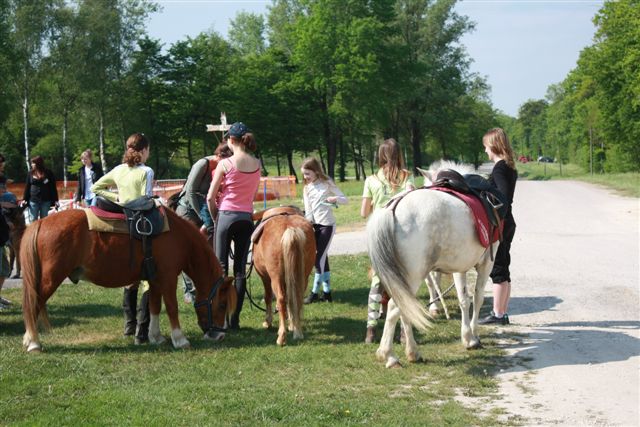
<point>437,230</point>
<point>267,251</point>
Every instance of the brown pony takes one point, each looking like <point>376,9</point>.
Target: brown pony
<point>284,252</point>
<point>61,246</point>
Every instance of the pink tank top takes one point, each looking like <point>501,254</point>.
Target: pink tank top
<point>238,189</point>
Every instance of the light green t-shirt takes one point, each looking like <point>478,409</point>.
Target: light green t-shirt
<point>131,183</point>
<point>380,191</point>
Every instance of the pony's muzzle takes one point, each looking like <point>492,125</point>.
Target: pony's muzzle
<point>214,335</point>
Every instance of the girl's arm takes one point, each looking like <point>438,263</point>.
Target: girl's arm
<point>148,188</point>
<point>338,196</point>
<point>27,189</point>
<point>101,188</point>
<point>213,189</point>
<point>365,208</point>
<point>53,187</point>
<point>308,211</point>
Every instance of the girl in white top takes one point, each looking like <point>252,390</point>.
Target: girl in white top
<point>320,196</point>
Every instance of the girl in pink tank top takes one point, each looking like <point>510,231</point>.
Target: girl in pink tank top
<point>239,176</point>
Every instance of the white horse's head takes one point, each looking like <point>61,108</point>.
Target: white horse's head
<point>439,165</point>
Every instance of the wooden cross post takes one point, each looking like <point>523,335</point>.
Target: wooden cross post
<point>222,127</point>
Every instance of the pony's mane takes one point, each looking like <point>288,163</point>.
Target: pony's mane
<point>462,168</point>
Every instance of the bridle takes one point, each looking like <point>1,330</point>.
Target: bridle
<point>207,302</point>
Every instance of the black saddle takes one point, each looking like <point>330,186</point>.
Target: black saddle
<point>494,202</point>
<point>144,220</point>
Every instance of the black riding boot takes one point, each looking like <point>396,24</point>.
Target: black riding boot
<point>142,331</point>
<point>129,305</point>
<point>241,289</point>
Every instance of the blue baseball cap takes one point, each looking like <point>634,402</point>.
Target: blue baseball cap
<point>237,130</point>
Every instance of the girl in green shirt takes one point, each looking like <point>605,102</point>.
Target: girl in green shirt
<point>391,179</point>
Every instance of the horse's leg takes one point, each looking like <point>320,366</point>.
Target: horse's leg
<point>433,281</point>
<point>171,305</point>
<point>468,340</point>
<point>483,269</point>
<point>268,302</point>
<point>49,283</point>
<point>385,350</point>
<point>411,347</point>
<point>282,311</point>
<point>154,316</point>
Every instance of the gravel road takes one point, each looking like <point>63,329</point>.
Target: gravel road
<point>574,340</point>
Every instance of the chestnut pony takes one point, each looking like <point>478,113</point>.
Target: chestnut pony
<point>284,252</point>
<point>61,246</point>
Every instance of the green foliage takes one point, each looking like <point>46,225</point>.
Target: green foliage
<point>89,374</point>
<point>593,118</point>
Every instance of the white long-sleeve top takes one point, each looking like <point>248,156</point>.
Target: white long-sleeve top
<point>316,208</point>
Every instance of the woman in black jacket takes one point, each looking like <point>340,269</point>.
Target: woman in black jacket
<point>504,176</point>
<point>88,175</point>
<point>40,190</point>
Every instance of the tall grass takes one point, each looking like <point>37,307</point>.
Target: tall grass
<point>90,375</point>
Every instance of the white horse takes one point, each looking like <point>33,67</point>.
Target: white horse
<point>429,231</point>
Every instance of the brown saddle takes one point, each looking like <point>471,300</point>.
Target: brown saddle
<point>264,216</point>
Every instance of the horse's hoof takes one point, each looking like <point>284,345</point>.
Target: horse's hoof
<point>415,358</point>
<point>184,346</point>
<point>34,348</point>
<point>474,345</point>
<point>393,363</point>
<point>266,325</point>
<point>157,340</point>
<point>214,336</point>
<point>281,341</point>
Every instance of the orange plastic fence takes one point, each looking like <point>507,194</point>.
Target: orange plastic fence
<point>274,187</point>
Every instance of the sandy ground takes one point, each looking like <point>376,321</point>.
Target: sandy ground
<point>574,342</point>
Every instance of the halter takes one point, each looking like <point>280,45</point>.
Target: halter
<point>207,303</point>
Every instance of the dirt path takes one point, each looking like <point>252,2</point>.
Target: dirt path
<point>575,337</point>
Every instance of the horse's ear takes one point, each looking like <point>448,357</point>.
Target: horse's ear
<point>426,174</point>
<point>232,297</point>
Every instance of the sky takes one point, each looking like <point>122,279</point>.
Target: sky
<point>520,46</point>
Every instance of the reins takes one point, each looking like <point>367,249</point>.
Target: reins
<point>207,303</point>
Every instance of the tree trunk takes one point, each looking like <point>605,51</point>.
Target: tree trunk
<point>190,151</point>
<point>103,155</point>
<point>343,158</point>
<point>25,120</point>
<point>292,169</point>
<point>416,143</point>
<point>278,165</point>
<point>65,125</point>
<point>330,142</point>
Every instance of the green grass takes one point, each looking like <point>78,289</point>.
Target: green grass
<point>627,184</point>
<point>89,374</point>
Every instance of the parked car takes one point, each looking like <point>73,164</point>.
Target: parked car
<point>523,159</point>
<point>545,159</point>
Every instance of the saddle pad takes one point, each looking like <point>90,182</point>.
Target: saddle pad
<point>109,224</point>
<point>479,215</point>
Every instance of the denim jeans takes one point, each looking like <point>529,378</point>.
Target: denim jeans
<point>39,210</point>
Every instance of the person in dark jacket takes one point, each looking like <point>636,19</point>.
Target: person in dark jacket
<point>40,192</point>
<point>503,176</point>
<point>88,175</point>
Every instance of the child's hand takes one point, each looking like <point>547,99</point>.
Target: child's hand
<point>332,200</point>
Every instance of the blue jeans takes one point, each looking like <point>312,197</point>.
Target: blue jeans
<point>39,210</point>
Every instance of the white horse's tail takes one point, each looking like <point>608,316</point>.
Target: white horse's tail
<point>293,253</point>
<point>390,268</point>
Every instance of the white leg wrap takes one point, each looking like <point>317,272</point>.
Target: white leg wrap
<point>154,330</point>
<point>179,340</point>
